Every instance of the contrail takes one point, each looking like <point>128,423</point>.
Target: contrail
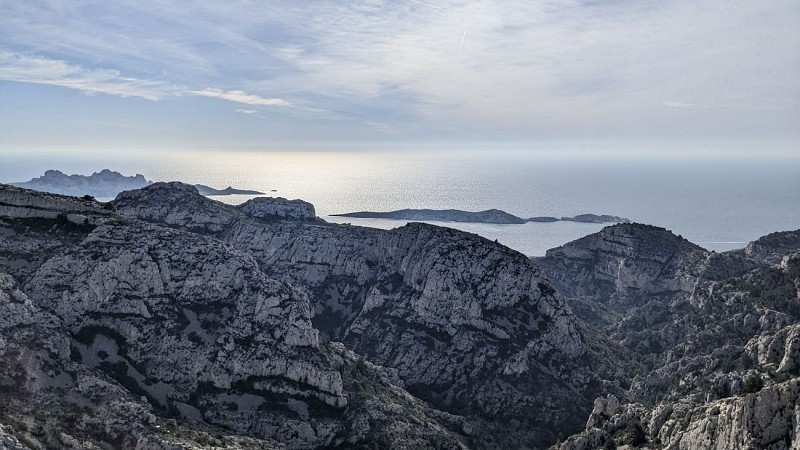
<point>462,44</point>
<point>426,4</point>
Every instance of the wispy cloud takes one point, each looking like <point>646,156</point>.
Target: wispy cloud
<point>550,67</point>
<point>39,70</point>
<point>672,104</point>
<point>427,4</point>
<point>252,113</point>
<point>240,97</point>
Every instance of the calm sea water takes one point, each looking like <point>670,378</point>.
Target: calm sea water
<point>718,203</point>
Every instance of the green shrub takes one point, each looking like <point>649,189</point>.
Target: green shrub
<point>753,383</point>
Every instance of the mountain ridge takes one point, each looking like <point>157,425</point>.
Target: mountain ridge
<point>180,321</point>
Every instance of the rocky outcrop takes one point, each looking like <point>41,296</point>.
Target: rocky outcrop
<point>624,264</point>
<point>761,420</point>
<point>159,203</point>
<point>773,247</point>
<point>16,203</point>
<point>268,207</point>
<point>709,327</point>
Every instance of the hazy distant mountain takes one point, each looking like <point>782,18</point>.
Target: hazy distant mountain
<point>165,319</point>
<point>106,184</point>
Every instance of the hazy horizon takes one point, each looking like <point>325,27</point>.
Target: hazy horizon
<point>718,203</point>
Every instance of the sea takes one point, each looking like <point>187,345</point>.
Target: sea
<point>719,202</point>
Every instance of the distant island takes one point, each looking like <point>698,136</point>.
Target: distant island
<point>495,216</point>
<point>207,190</point>
<point>106,184</point>
<point>583,218</point>
<point>441,215</point>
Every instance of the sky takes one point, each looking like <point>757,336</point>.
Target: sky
<point>277,74</point>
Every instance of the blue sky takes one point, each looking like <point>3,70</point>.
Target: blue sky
<point>277,74</point>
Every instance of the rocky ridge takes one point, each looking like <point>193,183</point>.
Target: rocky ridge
<point>278,207</point>
<point>115,330</point>
<point>482,342</point>
<point>711,329</point>
<point>207,315</point>
<point>168,320</point>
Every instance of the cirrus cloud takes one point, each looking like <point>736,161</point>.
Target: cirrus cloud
<point>240,97</point>
<point>40,70</point>
<point>450,68</point>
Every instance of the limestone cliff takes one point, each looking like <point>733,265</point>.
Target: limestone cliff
<point>166,320</point>
<point>712,330</point>
<point>469,325</point>
<point>196,318</point>
<point>120,333</point>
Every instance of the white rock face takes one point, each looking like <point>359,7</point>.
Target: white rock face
<point>780,349</point>
<point>439,305</point>
<point>176,304</point>
<point>160,203</point>
<point>269,207</point>
<point>767,419</point>
<point>8,441</point>
<point>626,263</point>
<point>461,319</point>
<point>172,322</point>
<point>714,328</point>
<point>774,247</point>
